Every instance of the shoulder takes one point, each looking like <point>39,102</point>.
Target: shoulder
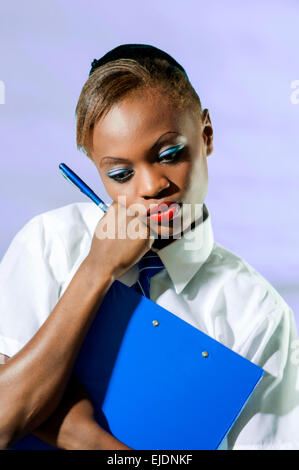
<point>71,222</point>
<point>251,308</point>
<point>243,285</point>
<point>57,237</point>
<point>68,222</point>
<point>65,218</point>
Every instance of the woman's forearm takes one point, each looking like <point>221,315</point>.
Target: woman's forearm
<point>33,381</point>
<point>72,425</point>
<point>78,432</point>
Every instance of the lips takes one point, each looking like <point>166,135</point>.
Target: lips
<point>164,212</point>
<point>162,207</point>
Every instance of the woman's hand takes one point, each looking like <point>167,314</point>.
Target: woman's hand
<point>116,246</point>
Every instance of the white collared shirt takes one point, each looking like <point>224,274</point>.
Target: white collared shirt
<point>203,283</point>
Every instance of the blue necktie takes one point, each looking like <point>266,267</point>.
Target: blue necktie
<point>149,265</point>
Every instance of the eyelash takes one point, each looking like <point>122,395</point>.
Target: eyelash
<point>176,153</point>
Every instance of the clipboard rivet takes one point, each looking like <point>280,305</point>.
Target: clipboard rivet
<point>205,354</point>
<point>155,322</point>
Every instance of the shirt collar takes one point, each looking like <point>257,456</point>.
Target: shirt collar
<point>183,257</point>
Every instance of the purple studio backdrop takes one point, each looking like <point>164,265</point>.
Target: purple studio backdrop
<point>242,59</point>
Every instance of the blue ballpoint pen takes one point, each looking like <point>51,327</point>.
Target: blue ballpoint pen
<point>73,178</point>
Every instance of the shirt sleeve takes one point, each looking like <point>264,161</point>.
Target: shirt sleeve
<point>28,287</point>
<point>270,420</point>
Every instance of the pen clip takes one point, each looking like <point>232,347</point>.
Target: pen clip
<point>67,178</point>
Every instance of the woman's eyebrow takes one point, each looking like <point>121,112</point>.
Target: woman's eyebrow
<point>125,160</point>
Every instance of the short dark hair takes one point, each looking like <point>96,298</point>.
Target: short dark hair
<point>122,70</point>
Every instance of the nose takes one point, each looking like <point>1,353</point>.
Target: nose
<point>151,182</point>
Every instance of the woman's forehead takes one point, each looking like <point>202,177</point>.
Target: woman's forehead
<point>140,119</point>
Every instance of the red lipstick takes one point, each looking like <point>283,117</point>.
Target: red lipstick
<point>163,212</point>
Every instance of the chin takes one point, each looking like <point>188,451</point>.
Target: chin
<point>165,231</point>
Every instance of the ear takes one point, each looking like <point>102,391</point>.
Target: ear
<point>207,130</point>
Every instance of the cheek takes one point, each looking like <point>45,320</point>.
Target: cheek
<point>109,186</point>
<point>182,176</point>
<point>116,190</point>
<point>197,184</point>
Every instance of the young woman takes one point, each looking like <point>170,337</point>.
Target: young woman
<point>142,124</point>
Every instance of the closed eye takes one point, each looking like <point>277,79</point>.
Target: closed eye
<point>171,155</point>
<point>168,157</point>
<point>121,175</point>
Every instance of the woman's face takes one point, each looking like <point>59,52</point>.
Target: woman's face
<point>151,152</point>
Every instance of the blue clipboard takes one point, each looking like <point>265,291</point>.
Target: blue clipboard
<point>156,381</point>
